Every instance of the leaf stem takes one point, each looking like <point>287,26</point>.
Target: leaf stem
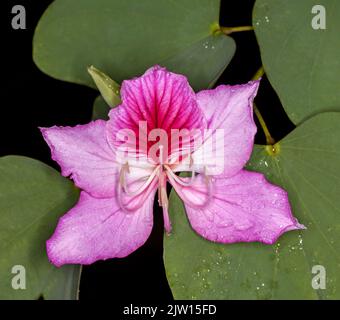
<point>269,139</point>
<point>230,30</point>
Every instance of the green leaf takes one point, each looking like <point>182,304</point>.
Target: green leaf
<point>32,197</point>
<point>301,63</point>
<point>212,54</point>
<point>307,164</point>
<point>100,109</point>
<point>124,38</point>
<point>109,89</point>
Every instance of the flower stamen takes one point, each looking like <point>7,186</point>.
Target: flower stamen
<point>179,179</point>
<point>207,182</point>
<point>122,181</point>
<point>122,187</point>
<point>163,200</point>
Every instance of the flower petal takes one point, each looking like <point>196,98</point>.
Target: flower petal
<point>162,99</point>
<point>229,108</point>
<point>84,154</point>
<point>97,229</point>
<point>244,208</point>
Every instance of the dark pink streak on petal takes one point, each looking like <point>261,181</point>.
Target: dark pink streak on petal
<point>161,98</point>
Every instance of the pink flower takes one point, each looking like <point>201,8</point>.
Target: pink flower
<point>114,215</point>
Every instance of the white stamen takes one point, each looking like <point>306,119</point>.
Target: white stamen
<point>178,179</point>
<point>207,180</point>
<point>141,188</point>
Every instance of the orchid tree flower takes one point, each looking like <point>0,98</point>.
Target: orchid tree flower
<point>121,164</point>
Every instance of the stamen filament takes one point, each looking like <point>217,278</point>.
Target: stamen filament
<point>124,206</point>
<point>207,180</point>
<point>178,179</point>
<point>142,188</point>
<point>163,200</point>
<point>123,187</point>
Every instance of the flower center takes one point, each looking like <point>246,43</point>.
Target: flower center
<point>130,201</point>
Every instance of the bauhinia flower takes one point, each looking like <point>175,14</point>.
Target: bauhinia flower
<point>160,129</point>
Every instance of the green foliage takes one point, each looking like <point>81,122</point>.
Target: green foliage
<point>33,196</point>
<point>124,38</point>
<point>301,63</point>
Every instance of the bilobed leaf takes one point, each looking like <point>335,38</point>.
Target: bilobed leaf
<point>301,63</point>
<point>32,198</point>
<point>124,38</point>
<point>203,61</point>
<point>307,164</point>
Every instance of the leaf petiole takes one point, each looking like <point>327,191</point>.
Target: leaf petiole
<point>269,139</point>
<point>230,30</point>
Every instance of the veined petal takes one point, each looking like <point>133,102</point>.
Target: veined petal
<point>243,208</point>
<point>98,229</point>
<point>84,154</point>
<point>163,100</point>
<point>229,108</point>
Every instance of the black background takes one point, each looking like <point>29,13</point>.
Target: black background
<point>30,99</point>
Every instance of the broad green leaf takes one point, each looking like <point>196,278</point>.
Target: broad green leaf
<point>32,198</point>
<point>307,164</point>
<point>212,54</point>
<point>301,63</point>
<point>100,109</point>
<point>124,38</point>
